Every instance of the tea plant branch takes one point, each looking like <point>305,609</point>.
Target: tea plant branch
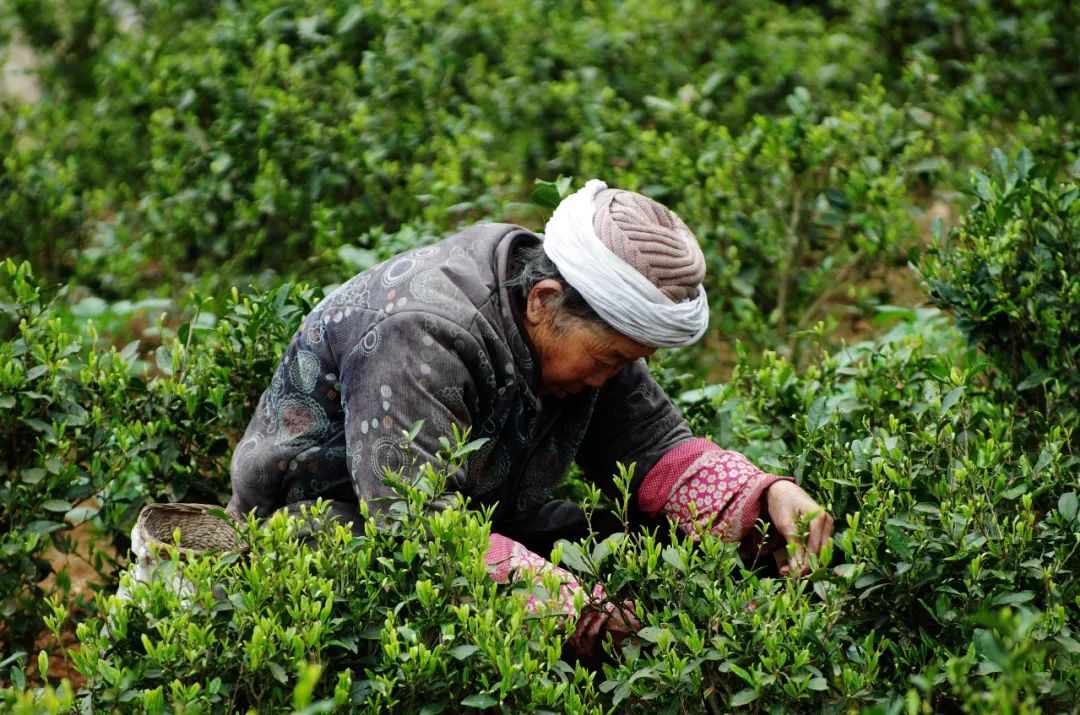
<point>187,342</point>
<point>710,697</point>
<point>791,227</point>
<point>824,296</point>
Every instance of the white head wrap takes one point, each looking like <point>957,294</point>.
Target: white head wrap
<point>622,296</point>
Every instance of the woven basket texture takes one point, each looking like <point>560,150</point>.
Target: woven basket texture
<point>199,530</point>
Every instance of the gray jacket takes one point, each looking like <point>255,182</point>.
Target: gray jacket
<point>434,334</point>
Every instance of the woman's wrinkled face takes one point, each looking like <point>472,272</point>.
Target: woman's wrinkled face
<point>574,354</point>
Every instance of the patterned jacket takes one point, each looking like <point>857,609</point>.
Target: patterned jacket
<point>434,334</point>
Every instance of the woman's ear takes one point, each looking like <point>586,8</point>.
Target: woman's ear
<point>538,310</point>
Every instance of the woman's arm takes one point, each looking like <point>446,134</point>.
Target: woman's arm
<point>705,487</point>
<point>635,422</point>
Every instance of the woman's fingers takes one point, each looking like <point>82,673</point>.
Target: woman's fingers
<point>799,563</point>
<point>622,621</point>
<point>817,535</point>
<point>782,561</point>
<point>788,506</point>
<point>826,530</point>
<point>820,531</point>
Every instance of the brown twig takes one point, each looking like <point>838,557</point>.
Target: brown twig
<point>791,227</point>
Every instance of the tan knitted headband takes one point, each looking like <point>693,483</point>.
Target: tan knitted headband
<point>651,238</point>
<point>635,263</point>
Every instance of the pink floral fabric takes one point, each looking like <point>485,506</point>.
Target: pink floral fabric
<point>512,561</point>
<point>698,484</point>
<point>705,487</point>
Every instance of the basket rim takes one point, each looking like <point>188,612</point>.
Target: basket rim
<point>188,509</point>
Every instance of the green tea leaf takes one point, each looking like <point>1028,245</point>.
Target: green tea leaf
<point>17,677</point>
<point>1024,163</point>
<point>462,652</point>
<point>32,475</point>
<point>1035,379</point>
<point>277,671</point>
<point>350,19</point>
<point>573,557</point>
<point>1000,162</point>
<point>951,399</point>
<point>988,646</point>
<point>1067,505</point>
<point>545,195</point>
<point>479,701</point>
<point>654,634</point>
<point>42,526</point>
<point>1070,645</point>
<point>674,558</point>
<point>817,416</point>
<point>83,513</point>
<point>983,186</point>
<point>163,359</point>
<point>1009,599</point>
<point>743,697</point>
<point>35,372</point>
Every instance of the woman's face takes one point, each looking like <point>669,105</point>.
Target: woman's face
<point>574,354</point>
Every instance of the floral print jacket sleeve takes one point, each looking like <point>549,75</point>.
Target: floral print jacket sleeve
<point>703,486</point>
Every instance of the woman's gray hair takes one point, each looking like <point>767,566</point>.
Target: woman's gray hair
<point>531,265</point>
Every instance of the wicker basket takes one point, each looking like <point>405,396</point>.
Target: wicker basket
<point>200,531</point>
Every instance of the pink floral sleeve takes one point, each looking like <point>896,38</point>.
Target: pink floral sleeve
<point>724,487</point>
<point>512,561</point>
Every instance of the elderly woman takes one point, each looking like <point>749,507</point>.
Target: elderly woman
<point>536,343</point>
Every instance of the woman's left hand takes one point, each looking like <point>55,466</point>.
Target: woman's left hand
<point>788,504</point>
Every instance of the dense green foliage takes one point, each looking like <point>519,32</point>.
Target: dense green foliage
<point>91,434</point>
<point>1011,275</point>
<point>951,581</point>
<point>947,519</point>
<point>791,210</point>
<point>405,618</point>
<point>193,166</point>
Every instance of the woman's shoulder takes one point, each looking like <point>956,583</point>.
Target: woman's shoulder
<point>448,286</point>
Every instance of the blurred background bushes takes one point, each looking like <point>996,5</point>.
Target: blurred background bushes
<point>173,137</point>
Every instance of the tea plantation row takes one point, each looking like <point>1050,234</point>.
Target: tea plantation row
<point>197,174</point>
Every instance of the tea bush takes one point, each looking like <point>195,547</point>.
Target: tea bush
<point>208,383</point>
<point>40,209</point>
<point>58,398</point>
<point>402,617</point>
<point>955,554</point>
<point>40,700</point>
<point>211,133</point>
<point>988,51</point>
<point>949,585</point>
<point>1010,274</point>
<point>254,135</point>
<point>91,435</point>
<point>182,147</point>
<point>794,213</point>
